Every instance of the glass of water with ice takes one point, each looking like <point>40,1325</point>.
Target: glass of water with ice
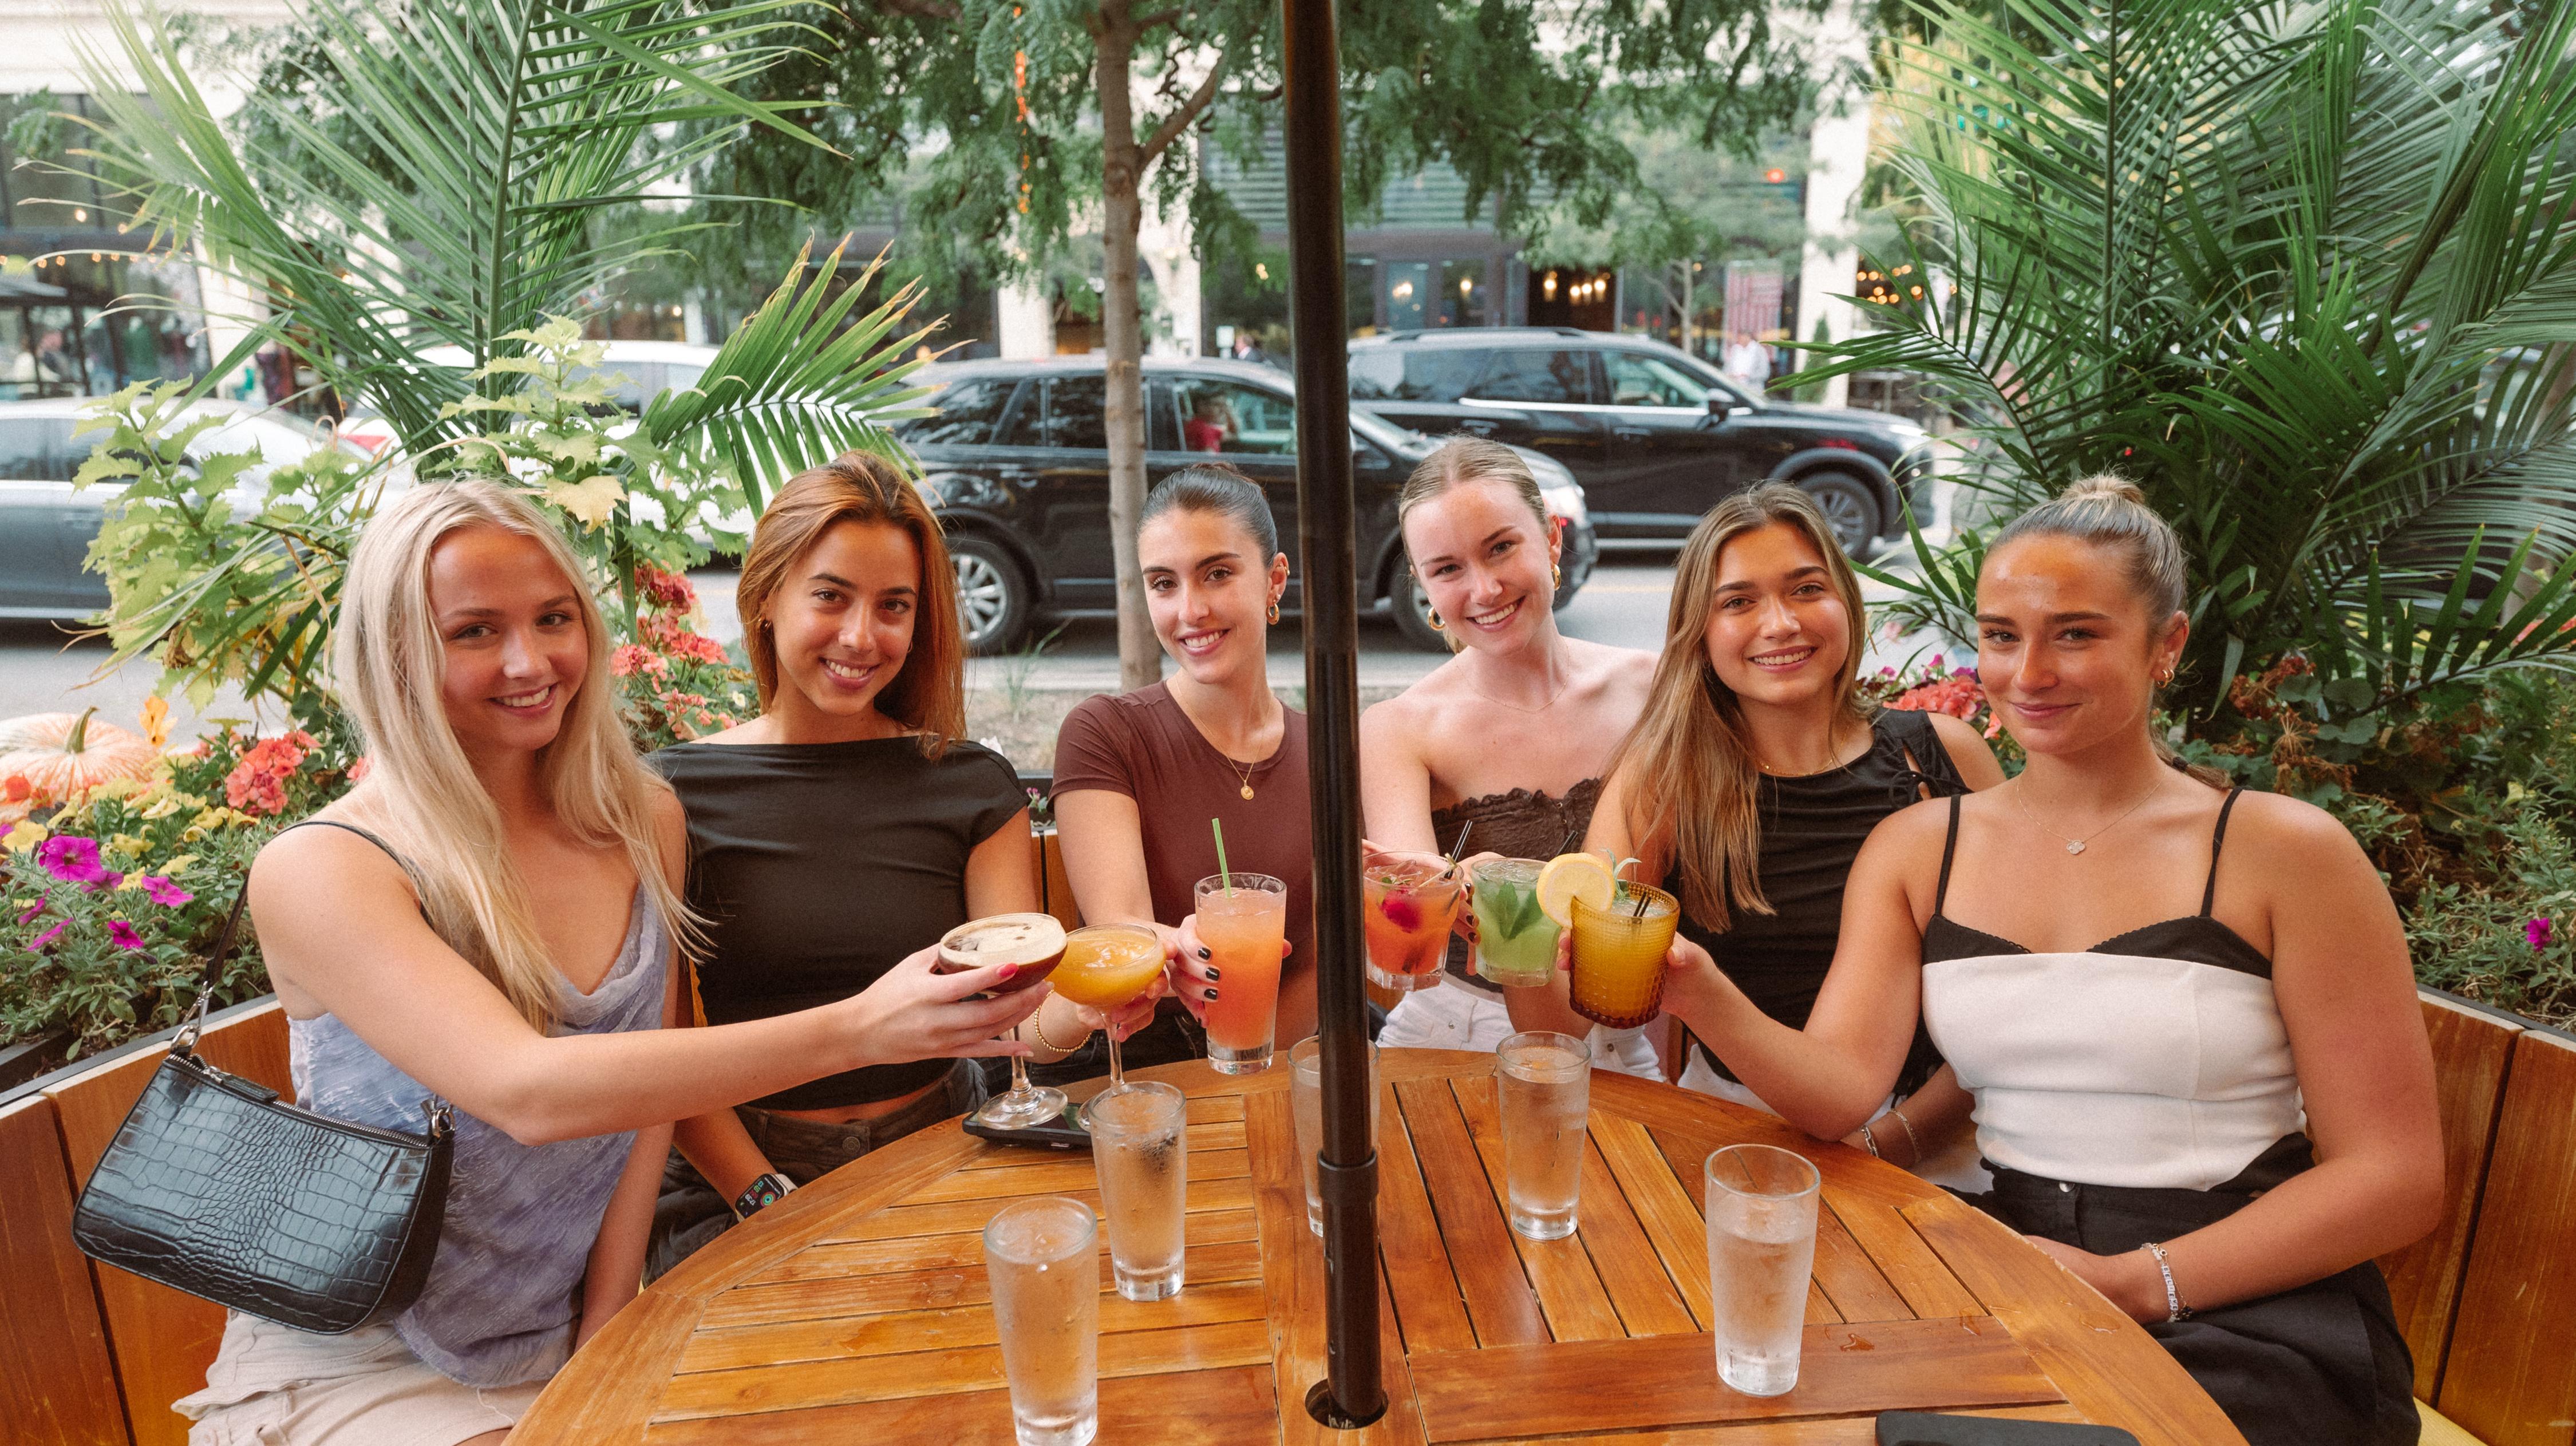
<point>1043,1258</point>
<point>1545,1084</point>
<point>1140,1147</point>
<point>1761,1248</point>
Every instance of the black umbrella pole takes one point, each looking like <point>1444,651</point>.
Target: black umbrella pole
<point>1351,1394</point>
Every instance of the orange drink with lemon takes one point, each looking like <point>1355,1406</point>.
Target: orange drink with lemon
<point>1242,919</point>
<point>1619,949</point>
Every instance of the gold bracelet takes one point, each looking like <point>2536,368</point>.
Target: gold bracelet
<point>1913,1141</point>
<point>1037,1026</point>
<point>1870,1143</point>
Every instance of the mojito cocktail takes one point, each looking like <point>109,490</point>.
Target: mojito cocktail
<point>1515,939</point>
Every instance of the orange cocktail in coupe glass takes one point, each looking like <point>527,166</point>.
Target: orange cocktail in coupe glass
<point>1242,919</point>
<point>1410,901</point>
<point>1107,967</point>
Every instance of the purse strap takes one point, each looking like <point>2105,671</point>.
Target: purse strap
<point>185,1041</point>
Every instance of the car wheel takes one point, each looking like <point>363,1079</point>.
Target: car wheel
<point>993,595</point>
<point>1412,609</point>
<point>1849,507</point>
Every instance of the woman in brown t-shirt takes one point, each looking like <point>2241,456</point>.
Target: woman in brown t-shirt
<point>1138,776</point>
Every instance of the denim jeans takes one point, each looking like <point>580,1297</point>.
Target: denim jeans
<point>690,1213</point>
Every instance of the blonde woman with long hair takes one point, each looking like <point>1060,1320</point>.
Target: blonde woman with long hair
<point>1509,740</point>
<point>1755,775</point>
<point>2185,1010</point>
<point>491,919</point>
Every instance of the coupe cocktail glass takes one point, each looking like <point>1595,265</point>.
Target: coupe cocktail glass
<point>1619,955</point>
<point>1242,919</point>
<point>1107,967</point>
<point>1140,1148</point>
<point>1761,1247</point>
<point>1411,901</point>
<point>1515,939</point>
<point>1043,1259</point>
<point>1544,1084</point>
<point>1034,942</point>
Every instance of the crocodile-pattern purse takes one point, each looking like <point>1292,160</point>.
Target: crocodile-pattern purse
<point>215,1186</point>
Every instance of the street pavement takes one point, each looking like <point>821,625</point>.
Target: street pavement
<point>43,668</point>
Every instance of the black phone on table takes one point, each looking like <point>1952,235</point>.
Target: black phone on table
<point>1064,1132</point>
<point>1927,1428</point>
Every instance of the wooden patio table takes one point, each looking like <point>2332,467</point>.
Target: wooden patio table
<point>857,1309</point>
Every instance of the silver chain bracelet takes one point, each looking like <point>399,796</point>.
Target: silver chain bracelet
<point>2174,1308</point>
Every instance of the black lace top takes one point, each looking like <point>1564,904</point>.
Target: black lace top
<point>1812,829</point>
<point>1522,824</point>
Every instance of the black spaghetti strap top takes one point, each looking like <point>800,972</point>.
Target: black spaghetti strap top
<point>1812,830</point>
<point>2199,937</point>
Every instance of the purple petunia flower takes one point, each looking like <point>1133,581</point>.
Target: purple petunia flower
<point>2538,932</point>
<point>107,879</point>
<point>33,910</point>
<point>38,943</point>
<point>164,892</point>
<point>70,858</point>
<point>122,935</point>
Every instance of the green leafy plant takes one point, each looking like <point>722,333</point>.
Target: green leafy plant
<point>2306,274</point>
<point>436,179</point>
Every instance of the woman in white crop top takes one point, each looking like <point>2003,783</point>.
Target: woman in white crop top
<point>2186,1014</point>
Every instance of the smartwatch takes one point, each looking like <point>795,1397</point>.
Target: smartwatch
<point>764,1190</point>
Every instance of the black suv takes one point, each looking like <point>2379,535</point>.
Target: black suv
<point>1016,463</point>
<point>1655,436</point>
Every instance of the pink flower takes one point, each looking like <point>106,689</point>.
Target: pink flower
<point>358,769</point>
<point>50,935</point>
<point>633,658</point>
<point>29,917</point>
<point>122,935</point>
<point>668,589</point>
<point>164,892</point>
<point>70,858</point>
<point>2538,931</point>
<point>107,879</point>
<point>257,784</point>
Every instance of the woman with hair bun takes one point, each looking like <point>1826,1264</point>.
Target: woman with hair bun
<point>2185,1011</point>
<point>1139,775</point>
<point>1509,739</point>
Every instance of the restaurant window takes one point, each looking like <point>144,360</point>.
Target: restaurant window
<point>1463,294</point>
<point>1408,295</point>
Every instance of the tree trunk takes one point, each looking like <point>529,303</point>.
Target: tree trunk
<point>1140,659</point>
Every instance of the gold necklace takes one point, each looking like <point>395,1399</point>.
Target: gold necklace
<point>1244,769</point>
<point>1830,753</point>
<point>2076,845</point>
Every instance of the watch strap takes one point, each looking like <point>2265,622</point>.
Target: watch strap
<point>764,1190</point>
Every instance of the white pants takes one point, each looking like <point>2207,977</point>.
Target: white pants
<point>1954,1163</point>
<point>1456,1016</point>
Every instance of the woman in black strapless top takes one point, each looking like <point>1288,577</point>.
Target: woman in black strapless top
<point>1754,777</point>
<point>1508,740</point>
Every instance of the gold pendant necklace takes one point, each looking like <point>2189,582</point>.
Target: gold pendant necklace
<point>1246,770</point>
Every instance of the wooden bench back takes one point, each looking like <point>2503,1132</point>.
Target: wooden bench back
<point>1055,886</point>
<point>2510,1375</point>
<point>56,1383</point>
<point>68,1318</point>
<point>2472,1046</point>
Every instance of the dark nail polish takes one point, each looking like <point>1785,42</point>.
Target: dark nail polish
<point>1203,953</point>
<point>1211,973</point>
<point>1211,994</point>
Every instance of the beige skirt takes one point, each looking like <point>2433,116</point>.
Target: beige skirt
<point>274,1386</point>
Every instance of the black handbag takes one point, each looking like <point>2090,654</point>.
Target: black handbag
<point>215,1186</point>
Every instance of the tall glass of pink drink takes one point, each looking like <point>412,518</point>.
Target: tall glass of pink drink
<point>1242,918</point>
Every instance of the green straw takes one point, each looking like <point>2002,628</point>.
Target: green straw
<point>1224,874</point>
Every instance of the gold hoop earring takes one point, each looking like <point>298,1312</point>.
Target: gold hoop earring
<point>2165,678</point>
<point>1437,625</point>
<point>1274,610</point>
<point>1555,575</point>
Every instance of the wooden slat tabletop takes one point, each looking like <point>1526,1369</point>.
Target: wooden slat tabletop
<point>858,1309</point>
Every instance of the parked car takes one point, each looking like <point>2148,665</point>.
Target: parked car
<point>46,527</point>
<point>1655,436</point>
<point>1016,463</point>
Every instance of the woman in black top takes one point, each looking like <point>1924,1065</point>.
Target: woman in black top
<point>845,827</point>
<point>1751,781</point>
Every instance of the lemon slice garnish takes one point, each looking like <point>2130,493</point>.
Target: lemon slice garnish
<point>1568,877</point>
